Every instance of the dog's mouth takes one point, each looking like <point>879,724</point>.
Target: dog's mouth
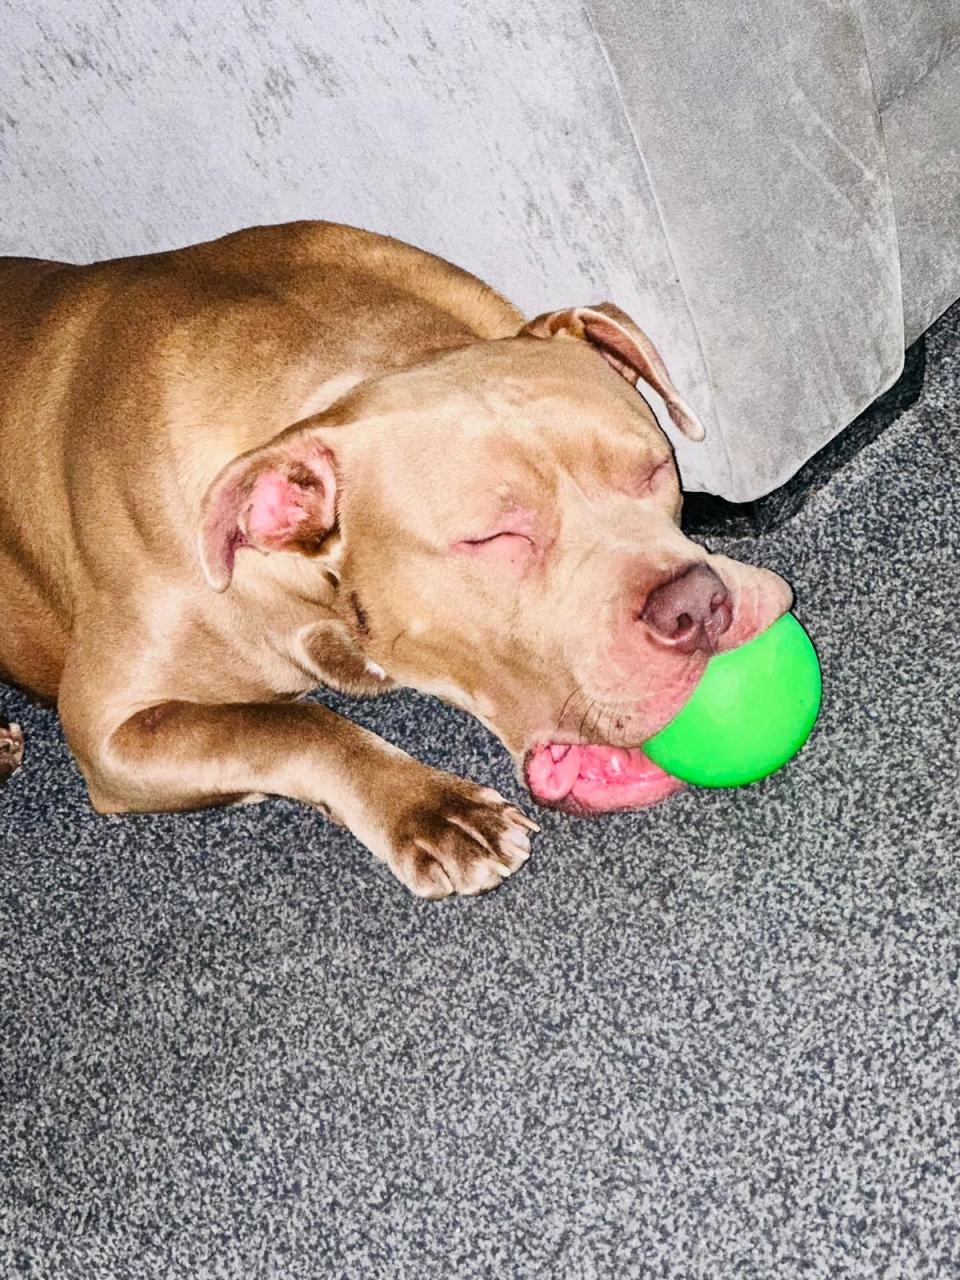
<point>594,778</point>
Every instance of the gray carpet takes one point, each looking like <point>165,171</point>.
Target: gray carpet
<point>716,1040</point>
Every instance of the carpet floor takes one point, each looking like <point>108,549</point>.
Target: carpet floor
<point>719,1039</point>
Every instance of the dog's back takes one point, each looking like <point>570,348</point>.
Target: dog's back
<point>36,333</point>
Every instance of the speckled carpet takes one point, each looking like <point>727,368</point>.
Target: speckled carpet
<point>721,1039</point>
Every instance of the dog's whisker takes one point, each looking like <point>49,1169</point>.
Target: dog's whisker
<point>577,692</point>
<point>583,720</point>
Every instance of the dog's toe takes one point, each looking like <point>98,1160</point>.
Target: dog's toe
<point>464,841</point>
<point>11,749</point>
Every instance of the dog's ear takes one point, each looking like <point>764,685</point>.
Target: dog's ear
<point>281,497</point>
<point>625,346</point>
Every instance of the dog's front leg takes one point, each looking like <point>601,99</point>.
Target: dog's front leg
<point>438,834</point>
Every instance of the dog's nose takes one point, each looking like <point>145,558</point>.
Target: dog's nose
<point>691,611</point>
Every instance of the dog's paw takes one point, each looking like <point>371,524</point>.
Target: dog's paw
<point>457,837</point>
<point>11,749</point>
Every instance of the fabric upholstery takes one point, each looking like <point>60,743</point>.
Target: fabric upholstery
<point>905,41</point>
<point>763,146</point>
<point>922,131</point>
<point>719,172</point>
<point>491,134</point>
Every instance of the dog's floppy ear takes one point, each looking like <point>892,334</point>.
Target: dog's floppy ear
<point>623,345</point>
<point>281,497</point>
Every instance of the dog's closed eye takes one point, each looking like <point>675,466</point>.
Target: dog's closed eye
<point>506,546</point>
<point>500,539</point>
<point>511,535</point>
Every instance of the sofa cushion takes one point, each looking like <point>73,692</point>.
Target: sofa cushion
<point>922,132</point>
<point>758,127</point>
<point>491,134</point>
<point>905,40</point>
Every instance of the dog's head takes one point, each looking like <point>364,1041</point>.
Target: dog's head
<point>501,523</point>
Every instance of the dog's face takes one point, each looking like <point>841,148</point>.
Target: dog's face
<point>508,539</point>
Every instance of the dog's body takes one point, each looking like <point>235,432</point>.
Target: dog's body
<point>445,498</point>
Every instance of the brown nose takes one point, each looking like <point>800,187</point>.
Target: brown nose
<point>691,611</point>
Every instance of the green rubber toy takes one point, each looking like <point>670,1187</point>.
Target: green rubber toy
<point>752,711</point>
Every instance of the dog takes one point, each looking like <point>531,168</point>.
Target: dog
<point>308,454</point>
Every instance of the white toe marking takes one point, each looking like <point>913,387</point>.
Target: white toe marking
<point>252,797</point>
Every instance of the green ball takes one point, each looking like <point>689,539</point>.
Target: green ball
<point>751,712</point>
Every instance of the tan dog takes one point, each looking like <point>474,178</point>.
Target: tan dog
<point>305,454</point>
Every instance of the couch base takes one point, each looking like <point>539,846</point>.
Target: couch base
<point>707,516</point>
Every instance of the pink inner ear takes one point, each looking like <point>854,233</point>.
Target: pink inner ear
<point>278,499</point>
<point>276,508</point>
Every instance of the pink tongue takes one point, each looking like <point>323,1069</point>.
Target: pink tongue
<point>598,778</point>
<point>615,779</point>
<point>553,772</point>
